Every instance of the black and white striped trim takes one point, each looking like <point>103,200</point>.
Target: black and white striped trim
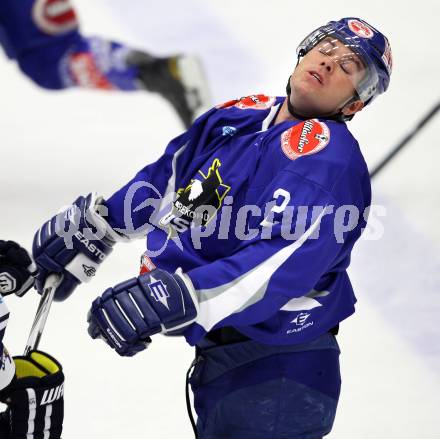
<point>32,401</point>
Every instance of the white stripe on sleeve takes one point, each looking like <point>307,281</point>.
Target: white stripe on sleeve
<point>234,296</point>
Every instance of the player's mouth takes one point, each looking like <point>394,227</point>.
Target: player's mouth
<point>316,75</point>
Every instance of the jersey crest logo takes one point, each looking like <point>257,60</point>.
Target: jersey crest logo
<point>360,28</point>
<point>255,102</point>
<point>206,189</point>
<point>308,137</point>
<point>54,16</point>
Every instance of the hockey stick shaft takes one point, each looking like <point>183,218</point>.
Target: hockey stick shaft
<point>46,300</point>
<point>405,140</point>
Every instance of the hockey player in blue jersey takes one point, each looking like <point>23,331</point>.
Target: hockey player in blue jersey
<point>27,383</point>
<point>250,217</point>
<point>44,37</point>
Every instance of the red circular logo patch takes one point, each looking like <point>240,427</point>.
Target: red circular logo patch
<point>306,138</point>
<point>227,104</point>
<point>256,102</point>
<point>360,28</point>
<point>54,16</point>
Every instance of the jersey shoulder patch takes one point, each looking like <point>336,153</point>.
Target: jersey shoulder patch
<point>54,17</point>
<point>254,102</point>
<point>305,138</point>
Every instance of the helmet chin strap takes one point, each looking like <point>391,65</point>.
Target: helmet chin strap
<point>338,117</point>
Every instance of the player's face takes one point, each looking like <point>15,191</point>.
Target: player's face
<point>325,80</point>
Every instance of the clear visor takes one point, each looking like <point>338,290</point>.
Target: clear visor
<point>347,55</point>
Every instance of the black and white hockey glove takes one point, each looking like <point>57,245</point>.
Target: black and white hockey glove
<point>73,244</point>
<point>17,270</point>
<point>34,399</point>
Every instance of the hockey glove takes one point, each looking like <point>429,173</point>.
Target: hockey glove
<point>17,270</point>
<point>34,398</point>
<point>73,244</point>
<point>128,314</point>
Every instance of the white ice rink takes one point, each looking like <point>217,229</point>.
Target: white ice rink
<point>56,146</point>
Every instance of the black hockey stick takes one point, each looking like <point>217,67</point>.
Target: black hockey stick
<point>405,140</point>
<point>46,300</point>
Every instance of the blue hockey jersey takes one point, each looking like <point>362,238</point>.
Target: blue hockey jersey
<point>261,217</point>
<point>44,37</point>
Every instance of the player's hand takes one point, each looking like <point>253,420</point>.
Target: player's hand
<point>35,398</point>
<point>17,270</point>
<point>73,244</point>
<point>127,315</point>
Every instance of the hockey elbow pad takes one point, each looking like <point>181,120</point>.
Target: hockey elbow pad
<point>128,314</point>
<point>73,243</point>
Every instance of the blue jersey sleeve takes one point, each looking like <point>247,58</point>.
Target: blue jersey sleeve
<point>130,209</point>
<point>43,36</point>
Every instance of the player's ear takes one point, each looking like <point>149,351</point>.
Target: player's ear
<point>353,108</point>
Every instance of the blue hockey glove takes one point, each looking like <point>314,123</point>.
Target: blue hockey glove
<point>128,314</point>
<point>73,244</point>
<point>17,270</point>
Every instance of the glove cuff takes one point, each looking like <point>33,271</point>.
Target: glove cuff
<point>98,211</point>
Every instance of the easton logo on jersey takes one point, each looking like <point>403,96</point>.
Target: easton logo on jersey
<point>255,102</point>
<point>54,16</point>
<point>305,138</point>
<point>198,202</point>
<point>300,319</point>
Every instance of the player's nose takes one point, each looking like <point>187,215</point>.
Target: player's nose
<point>327,65</point>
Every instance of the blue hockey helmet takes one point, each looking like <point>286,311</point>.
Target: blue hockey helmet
<point>368,43</point>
